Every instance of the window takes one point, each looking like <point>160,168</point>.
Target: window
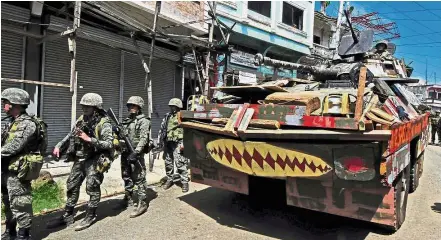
<point>432,95</point>
<point>292,16</point>
<point>263,7</point>
<point>317,40</point>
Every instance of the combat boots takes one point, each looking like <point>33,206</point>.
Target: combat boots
<point>185,187</point>
<point>10,231</point>
<point>66,219</point>
<point>23,234</point>
<point>168,184</point>
<point>141,209</point>
<point>88,220</point>
<point>127,201</point>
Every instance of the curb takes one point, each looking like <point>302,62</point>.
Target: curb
<point>85,202</point>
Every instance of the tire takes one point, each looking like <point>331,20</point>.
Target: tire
<point>415,174</point>
<point>401,192</point>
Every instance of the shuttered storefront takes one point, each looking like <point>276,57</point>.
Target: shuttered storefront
<point>114,72</point>
<point>133,80</point>
<point>165,85</point>
<point>98,71</point>
<point>12,46</point>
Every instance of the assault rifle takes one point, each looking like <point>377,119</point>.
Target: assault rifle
<point>68,148</point>
<point>5,129</point>
<point>5,134</point>
<point>155,150</point>
<point>122,134</point>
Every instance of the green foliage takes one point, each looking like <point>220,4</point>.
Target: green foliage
<point>45,196</point>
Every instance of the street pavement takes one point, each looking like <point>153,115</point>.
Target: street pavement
<point>209,213</point>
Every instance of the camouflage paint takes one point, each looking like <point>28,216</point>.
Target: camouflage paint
<point>404,133</point>
<point>366,200</point>
<point>368,204</point>
<point>286,115</point>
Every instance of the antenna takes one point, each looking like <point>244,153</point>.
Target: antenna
<point>350,26</point>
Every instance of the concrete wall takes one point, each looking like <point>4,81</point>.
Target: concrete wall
<point>273,27</point>
<point>179,12</point>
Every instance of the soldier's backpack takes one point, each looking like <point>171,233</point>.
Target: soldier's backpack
<point>41,133</point>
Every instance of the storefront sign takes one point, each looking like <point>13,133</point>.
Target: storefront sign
<point>268,70</point>
<point>242,58</point>
<point>247,78</point>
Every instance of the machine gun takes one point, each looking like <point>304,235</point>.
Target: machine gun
<point>122,134</point>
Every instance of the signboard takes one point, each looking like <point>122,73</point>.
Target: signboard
<point>267,70</point>
<point>247,78</point>
<point>242,58</point>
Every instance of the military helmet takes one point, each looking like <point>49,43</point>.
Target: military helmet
<point>437,111</point>
<point>16,96</point>
<point>383,42</point>
<point>136,100</point>
<point>175,102</point>
<point>92,99</point>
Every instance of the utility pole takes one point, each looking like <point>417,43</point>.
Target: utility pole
<point>336,36</point>
<point>73,51</point>
<point>426,71</point>
<point>207,61</point>
<point>148,82</point>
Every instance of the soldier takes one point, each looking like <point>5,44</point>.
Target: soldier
<point>381,51</point>
<point>434,122</point>
<point>92,152</point>
<point>23,143</point>
<point>170,138</point>
<point>133,168</point>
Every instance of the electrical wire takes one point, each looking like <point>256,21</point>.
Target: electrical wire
<point>421,55</point>
<point>427,10</point>
<point>407,11</point>
<point>409,17</point>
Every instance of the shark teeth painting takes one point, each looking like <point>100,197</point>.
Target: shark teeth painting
<point>263,159</point>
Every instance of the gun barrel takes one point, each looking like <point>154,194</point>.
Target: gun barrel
<point>122,134</point>
<point>259,59</point>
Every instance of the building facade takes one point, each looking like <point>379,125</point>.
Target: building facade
<point>428,94</point>
<point>281,30</point>
<point>107,62</point>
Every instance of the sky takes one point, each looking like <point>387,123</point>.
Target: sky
<point>419,26</point>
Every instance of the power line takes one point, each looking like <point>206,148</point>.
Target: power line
<point>416,54</point>
<point>427,10</point>
<point>409,17</point>
<point>419,20</point>
<point>417,35</point>
<point>407,11</point>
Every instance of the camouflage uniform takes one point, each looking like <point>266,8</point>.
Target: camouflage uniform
<point>171,137</point>
<point>86,158</point>
<point>21,162</point>
<point>134,173</point>
<point>435,122</point>
<point>382,54</point>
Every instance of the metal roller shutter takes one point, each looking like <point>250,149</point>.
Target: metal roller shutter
<point>98,69</point>
<point>12,56</point>
<point>134,80</point>
<point>163,87</point>
<point>56,101</point>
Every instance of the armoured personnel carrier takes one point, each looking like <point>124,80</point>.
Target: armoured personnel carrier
<point>346,139</point>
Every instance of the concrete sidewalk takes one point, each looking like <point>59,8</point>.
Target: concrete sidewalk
<point>112,184</point>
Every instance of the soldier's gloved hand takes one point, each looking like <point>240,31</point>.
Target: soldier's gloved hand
<point>133,157</point>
